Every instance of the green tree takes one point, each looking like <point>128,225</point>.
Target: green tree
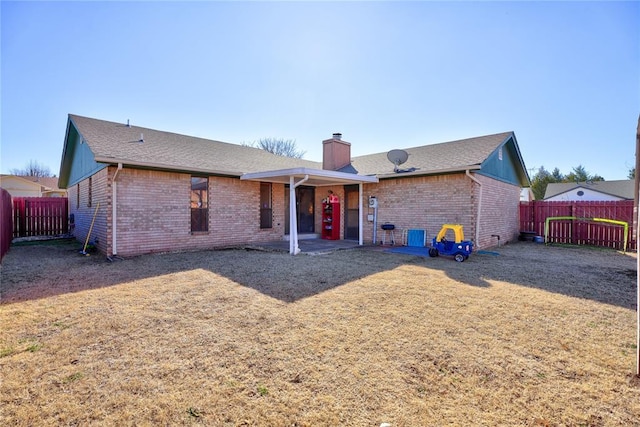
<point>540,181</point>
<point>632,173</point>
<point>580,174</point>
<point>557,175</point>
<point>542,178</point>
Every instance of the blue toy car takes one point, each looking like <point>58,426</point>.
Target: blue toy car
<point>459,248</point>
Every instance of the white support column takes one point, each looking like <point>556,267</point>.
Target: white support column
<point>294,249</point>
<point>293,220</point>
<point>360,216</point>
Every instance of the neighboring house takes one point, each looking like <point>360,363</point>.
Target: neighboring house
<point>31,186</point>
<point>602,191</point>
<point>155,191</point>
<point>526,195</point>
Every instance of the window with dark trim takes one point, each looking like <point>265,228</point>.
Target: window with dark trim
<point>89,188</point>
<point>199,204</point>
<point>266,209</point>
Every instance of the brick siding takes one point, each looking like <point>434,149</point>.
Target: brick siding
<point>427,202</point>
<point>154,214</point>
<point>500,212</point>
<point>83,213</point>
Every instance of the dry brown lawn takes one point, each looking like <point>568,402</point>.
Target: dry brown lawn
<point>534,336</point>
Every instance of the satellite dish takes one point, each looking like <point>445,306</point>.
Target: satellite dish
<point>397,157</point>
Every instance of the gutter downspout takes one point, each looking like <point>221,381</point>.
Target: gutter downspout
<point>293,220</point>
<point>114,213</point>
<point>479,207</point>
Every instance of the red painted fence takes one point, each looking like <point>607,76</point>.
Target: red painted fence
<point>6,223</point>
<point>582,230</point>
<point>40,216</point>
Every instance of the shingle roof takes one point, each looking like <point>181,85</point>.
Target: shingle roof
<point>112,142</point>
<point>47,182</point>
<point>446,156</point>
<point>621,188</point>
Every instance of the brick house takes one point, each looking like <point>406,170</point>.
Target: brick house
<point>156,191</point>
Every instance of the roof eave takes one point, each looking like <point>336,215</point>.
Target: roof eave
<point>428,172</point>
<point>320,176</point>
<point>165,167</point>
<point>65,162</point>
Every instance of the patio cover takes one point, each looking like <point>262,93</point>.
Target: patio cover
<point>315,178</point>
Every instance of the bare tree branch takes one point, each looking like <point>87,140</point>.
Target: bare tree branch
<point>33,168</point>
<point>278,146</point>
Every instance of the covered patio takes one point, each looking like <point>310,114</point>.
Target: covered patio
<point>314,178</point>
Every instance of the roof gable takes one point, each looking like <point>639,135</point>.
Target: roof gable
<point>622,189</point>
<point>112,143</point>
<point>453,156</point>
<point>78,161</point>
<point>505,164</point>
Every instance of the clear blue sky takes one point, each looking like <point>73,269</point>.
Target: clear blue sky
<point>564,76</point>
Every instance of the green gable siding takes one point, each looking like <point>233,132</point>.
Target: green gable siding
<point>505,165</point>
<point>79,158</point>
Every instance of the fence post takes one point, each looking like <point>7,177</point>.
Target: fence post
<point>6,233</point>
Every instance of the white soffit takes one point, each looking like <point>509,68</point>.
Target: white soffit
<point>317,177</point>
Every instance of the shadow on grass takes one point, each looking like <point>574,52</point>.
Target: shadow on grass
<point>49,268</point>
<point>598,274</point>
<point>53,268</point>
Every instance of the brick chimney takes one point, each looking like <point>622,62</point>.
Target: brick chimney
<point>336,153</point>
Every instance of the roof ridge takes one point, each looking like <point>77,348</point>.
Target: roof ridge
<point>127,125</point>
<point>442,143</point>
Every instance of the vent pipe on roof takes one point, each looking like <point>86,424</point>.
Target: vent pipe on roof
<point>128,125</point>
<point>141,138</point>
<point>337,136</point>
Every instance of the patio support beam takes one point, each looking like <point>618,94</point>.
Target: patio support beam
<point>294,249</point>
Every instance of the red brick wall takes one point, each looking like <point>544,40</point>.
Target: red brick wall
<point>500,211</point>
<point>427,202</point>
<point>83,214</point>
<point>154,214</point>
<point>423,202</point>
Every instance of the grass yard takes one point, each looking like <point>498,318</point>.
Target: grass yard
<point>535,336</point>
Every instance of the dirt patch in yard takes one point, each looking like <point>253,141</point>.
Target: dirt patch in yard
<point>536,335</point>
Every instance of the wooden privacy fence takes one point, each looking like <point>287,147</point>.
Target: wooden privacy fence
<point>6,224</point>
<point>581,229</point>
<point>40,216</point>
